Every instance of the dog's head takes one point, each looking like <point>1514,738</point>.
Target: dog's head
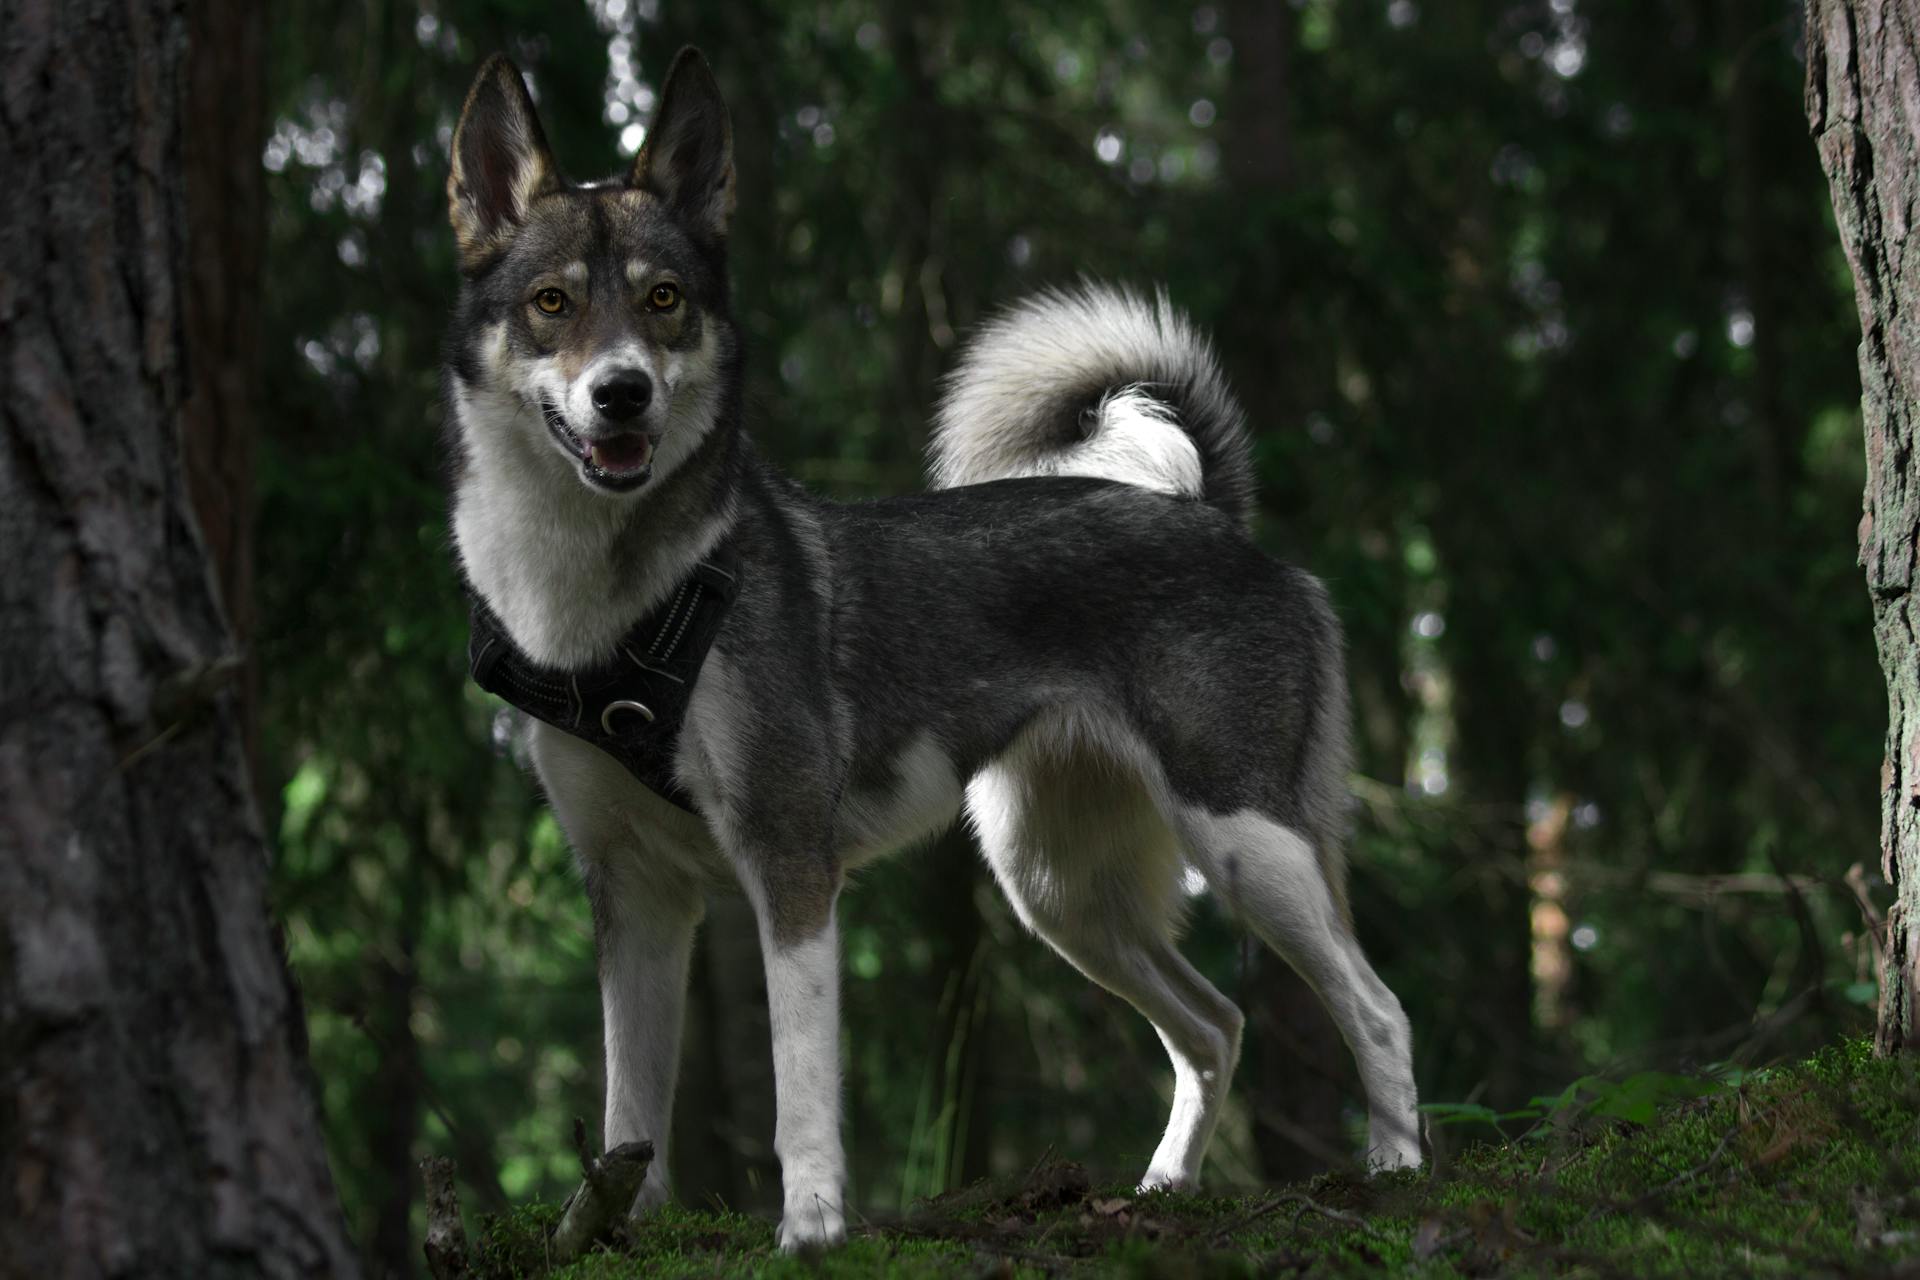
<point>593,331</point>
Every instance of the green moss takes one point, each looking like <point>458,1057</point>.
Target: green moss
<point>515,1243</point>
<point>1798,1170</point>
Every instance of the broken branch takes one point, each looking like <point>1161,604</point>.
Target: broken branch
<point>446,1246</point>
<point>608,1184</point>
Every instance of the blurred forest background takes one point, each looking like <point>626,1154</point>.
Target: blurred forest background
<point>1549,348</point>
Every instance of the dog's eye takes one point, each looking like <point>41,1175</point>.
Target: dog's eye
<point>665,297</point>
<point>551,301</point>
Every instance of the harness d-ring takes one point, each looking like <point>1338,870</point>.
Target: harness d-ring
<point>623,704</point>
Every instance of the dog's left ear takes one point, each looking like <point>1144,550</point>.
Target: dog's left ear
<point>688,157</point>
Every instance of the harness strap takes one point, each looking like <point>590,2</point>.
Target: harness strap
<point>633,706</point>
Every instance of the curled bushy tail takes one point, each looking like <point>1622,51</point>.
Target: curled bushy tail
<point>1094,381</point>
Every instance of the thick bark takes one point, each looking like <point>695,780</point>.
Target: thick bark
<point>1863,84</point>
<point>154,1114</point>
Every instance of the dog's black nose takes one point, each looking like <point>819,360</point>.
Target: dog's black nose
<point>624,395</point>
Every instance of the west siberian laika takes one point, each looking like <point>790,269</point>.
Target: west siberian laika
<point>1073,640</point>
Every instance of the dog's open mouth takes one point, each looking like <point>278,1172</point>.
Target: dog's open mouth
<point>619,462</point>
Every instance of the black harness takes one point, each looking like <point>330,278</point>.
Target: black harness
<point>631,707</point>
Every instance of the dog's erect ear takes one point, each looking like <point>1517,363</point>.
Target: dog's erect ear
<point>501,164</point>
<point>688,157</point>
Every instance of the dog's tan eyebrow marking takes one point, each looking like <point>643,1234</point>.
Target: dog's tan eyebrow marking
<point>575,271</point>
<point>638,269</point>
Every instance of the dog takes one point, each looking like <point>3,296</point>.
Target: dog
<point>734,683</point>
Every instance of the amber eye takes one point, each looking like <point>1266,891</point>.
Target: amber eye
<point>665,297</point>
<point>551,301</point>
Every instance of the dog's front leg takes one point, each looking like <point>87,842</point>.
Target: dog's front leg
<point>800,942</point>
<point>643,933</point>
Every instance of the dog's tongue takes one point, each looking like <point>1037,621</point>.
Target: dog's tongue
<point>620,453</point>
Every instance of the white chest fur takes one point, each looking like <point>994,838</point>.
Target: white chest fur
<point>545,552</point>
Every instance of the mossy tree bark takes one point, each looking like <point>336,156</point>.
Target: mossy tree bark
<point>1863,104</point>
<point>155,1117</point>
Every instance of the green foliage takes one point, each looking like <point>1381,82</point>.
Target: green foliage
<point>1548,350</point>
<point>1633,1099</point>
<point>1799,1170</point>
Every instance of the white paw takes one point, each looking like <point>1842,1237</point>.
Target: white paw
<point>812,1220</point>
<point>1388,1149</point>
<point>1158,1179</point>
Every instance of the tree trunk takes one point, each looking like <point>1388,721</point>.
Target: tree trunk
<point>1862,80</point>
<point>742,1036</point>
<point>396,1088</point>
<point>1489,772</point>
<point>1297,1073</point>
<point>154,1111</point>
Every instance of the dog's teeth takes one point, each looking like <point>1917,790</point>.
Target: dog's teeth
<point>621,454</point>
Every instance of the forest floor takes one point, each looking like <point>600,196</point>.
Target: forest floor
<point>1805,1170</point>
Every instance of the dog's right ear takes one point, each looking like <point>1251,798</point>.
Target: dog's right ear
<point>501,163</point>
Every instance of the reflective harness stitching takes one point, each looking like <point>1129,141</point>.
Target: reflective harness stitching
<point>631,708</point>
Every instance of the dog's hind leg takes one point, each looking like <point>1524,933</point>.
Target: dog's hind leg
<point>1270,876</point>
<point>1203,1065</point>
<point>1089,866</point>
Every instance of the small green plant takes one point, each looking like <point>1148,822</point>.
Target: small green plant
<point>1634,1100</point>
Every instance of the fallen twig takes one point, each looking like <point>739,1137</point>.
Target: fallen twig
<point>1273,1202</point>
<point>608,1184</point>
<point>1688,1175</point>
<point>1051,1261</point>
